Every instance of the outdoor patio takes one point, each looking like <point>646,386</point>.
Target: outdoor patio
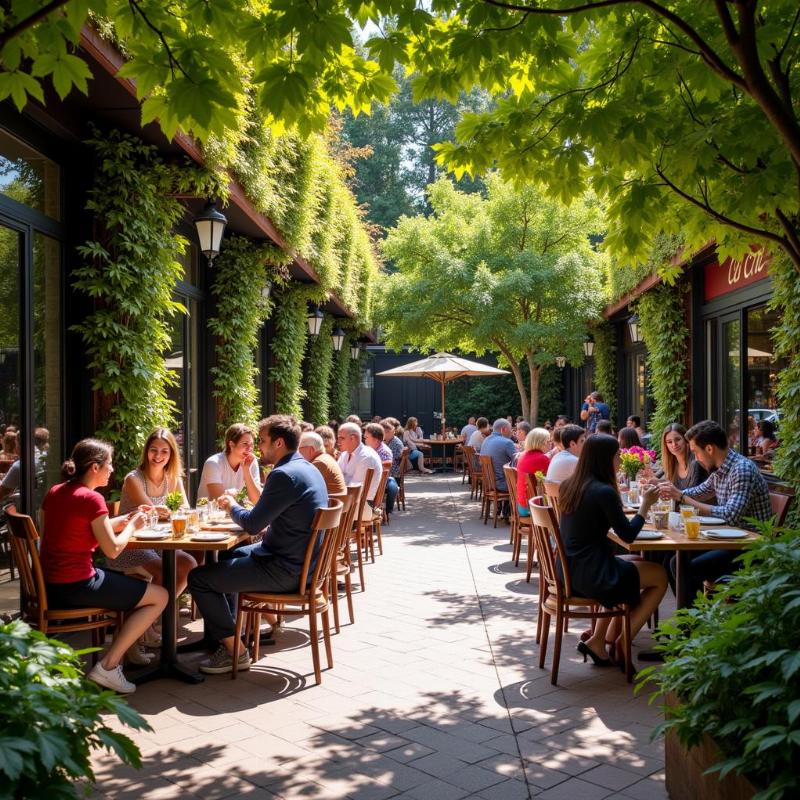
<point>435,693</point>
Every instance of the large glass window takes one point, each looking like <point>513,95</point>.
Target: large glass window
<point>10,395</point>
<point>762,366</point>
<point>28,177</point>
<point>731,379</point>
<point>46,363</point>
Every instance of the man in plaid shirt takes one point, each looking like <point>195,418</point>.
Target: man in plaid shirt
<point>739,489</point>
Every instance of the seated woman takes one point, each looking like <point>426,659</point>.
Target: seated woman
<point>534,459</point>
<point>628,437</point>
<point>679,466</point>
<point>328,439</point>
<point>767,441</point>
<point>236,466</point>
<point>590,505</point>
<point>158,474</point>
<point>415,452</point>
<point>74,523</point>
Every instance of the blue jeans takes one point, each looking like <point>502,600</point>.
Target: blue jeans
<point>391,494</point>
<point>210,583</point>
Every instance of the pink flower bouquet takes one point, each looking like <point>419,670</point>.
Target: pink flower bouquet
<point>635,459</point>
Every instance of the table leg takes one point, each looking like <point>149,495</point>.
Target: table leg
<point>169,667</point>
<point>204,643</point>
<point>683,588</point>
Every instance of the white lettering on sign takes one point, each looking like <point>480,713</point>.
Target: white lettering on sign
<point>752,265</point>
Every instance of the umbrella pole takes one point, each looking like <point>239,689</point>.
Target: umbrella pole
<point>443,426</point>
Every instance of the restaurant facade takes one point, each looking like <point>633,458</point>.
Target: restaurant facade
<point>47,170</point>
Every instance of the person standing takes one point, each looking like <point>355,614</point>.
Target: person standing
<point>593,410</point>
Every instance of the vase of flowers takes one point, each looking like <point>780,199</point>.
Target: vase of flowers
<point>635,459</point>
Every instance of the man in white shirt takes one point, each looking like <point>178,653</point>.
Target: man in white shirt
<point>468,430</point>
<point>356,458</point>
<point>484,429</point>
<point>564,462</point>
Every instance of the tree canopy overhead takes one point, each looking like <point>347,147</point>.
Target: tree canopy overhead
<point>513,274</point>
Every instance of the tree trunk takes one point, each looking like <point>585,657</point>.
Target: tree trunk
<point>523,394</point>
<point>535,375</point>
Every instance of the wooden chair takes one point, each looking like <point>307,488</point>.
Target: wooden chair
<point>780,504</point>
<point>357,531</point>
<point>473,471</point>
<point>521,526</point>
<point>349,500</point>
<point>311,597</point>
<point>34,608</point>
<point>551,489</point>
<point>401,482</point>
<point>372,522</point>
<point>555,592</point>
<point>491,494</point>
<point>343,563</point>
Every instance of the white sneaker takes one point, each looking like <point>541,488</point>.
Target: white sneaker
<point>111,679</point>
<point>137,656</point>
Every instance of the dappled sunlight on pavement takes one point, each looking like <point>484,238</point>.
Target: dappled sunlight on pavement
<point>435,692</point>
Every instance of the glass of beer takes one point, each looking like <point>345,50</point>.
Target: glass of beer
<point>692,527</point>
<point>687,511</point>
<point>193,520</point>
<point>179,524</point>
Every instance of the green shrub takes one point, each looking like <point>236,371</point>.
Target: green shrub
<point>50,717</point>
<point>733,661</point>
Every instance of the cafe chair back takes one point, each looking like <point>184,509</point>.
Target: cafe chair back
<point>473,471</point>
<point>401,479</point>
<point>33,596</point>
<point>780,504</point>
<point>556,598</point>
<point>363,512</point>
<point>310,599</point>
<point>491,494</point>
<point>340,571</point>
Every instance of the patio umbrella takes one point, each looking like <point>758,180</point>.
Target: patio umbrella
<point>442,367</point>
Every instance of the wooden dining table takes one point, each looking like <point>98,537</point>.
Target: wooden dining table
<point>169,666</point>
<point>444,444</point>
<point>683,547</point>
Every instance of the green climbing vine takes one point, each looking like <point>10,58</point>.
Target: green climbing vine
<point>622,278</point>
<point>661,315</point>
<point>319,365</point>
<point>129,271</point>
<point>605,365</point>
<point>240,273</point>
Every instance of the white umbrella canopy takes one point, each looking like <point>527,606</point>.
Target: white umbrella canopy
<point>442,367</point>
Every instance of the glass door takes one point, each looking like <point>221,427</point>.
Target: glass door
<point>731,378</point>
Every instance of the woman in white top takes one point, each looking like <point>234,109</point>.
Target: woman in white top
<point>158,474</point>
<point>234,468</point>
<point>412,434</point>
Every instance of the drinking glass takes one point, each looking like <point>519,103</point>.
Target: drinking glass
<point>692,527</point>
<point>152,518</point>
<point>687,511</point>
<point>178,524</point>
<point>193,520</point>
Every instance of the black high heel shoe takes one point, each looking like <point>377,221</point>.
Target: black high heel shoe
<point>585,651</point>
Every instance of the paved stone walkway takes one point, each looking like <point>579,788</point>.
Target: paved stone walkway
<point>435,693</point>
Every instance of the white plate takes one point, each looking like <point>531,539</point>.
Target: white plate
<point>711,521</point>
<point>733,533</point>
<point>147,535</point>
<point>649,536</point>
<point>209,537</point>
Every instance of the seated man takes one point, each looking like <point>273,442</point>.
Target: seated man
<point>740,490</point>
<point>292,494</point>
<point>312,448</point>
<point>356,458</point>
<point>499,446</point>
<point>563,463</point>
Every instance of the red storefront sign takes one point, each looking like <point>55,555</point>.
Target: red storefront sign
<point>731,275</point>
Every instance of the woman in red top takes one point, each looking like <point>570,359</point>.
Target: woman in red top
<point>74,523</point>
<point>533,460</point>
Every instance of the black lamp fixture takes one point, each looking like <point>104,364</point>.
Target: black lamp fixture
<point>314,320</point>
<point>588,348</point>
<point>210,227</point>
<point>561,362</point>
<point>634,329</point>
<point>355,351</point>
<point>338,337</point>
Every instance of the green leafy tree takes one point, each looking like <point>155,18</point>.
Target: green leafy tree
<point>513,274</point>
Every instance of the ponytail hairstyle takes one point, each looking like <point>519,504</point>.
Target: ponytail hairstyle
<point>85,453</point>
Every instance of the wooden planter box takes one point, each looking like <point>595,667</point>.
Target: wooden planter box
<point>685,772</point>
